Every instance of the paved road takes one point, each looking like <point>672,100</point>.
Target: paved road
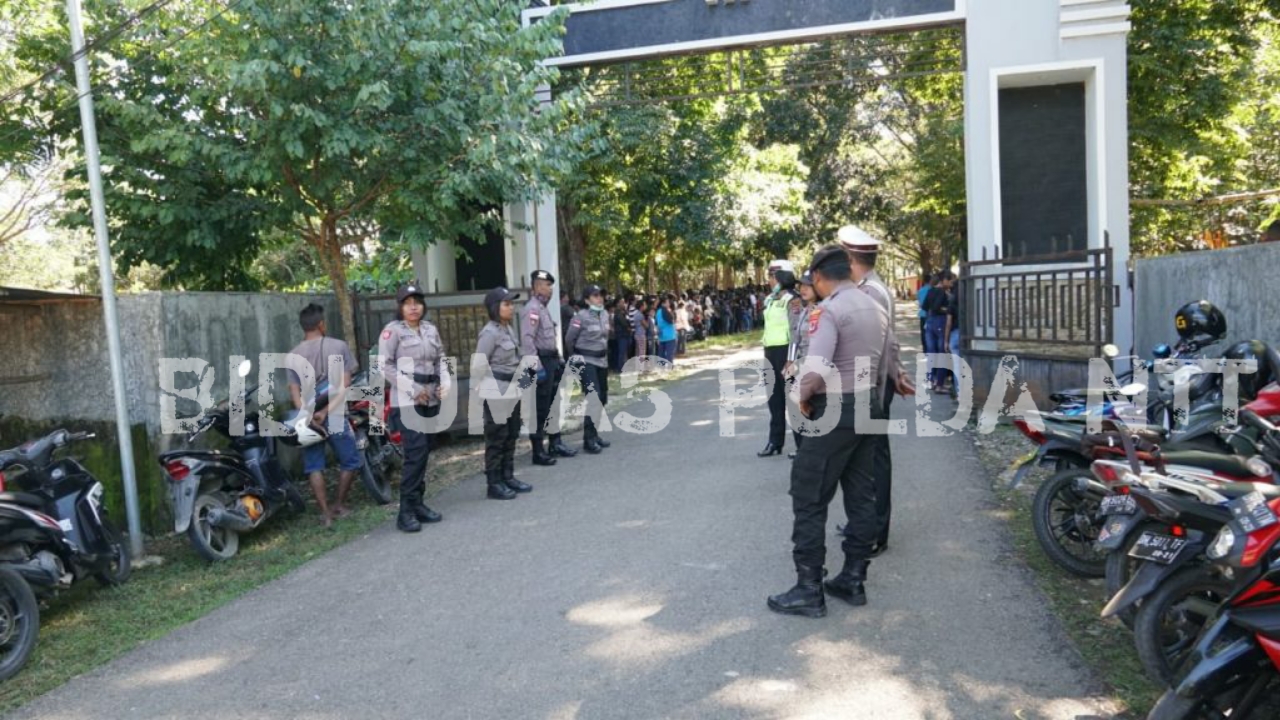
<point>630,585</point>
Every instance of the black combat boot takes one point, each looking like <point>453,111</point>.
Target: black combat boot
<point>601,441</point>
<point>557,447</point>
<point>848,584</point>
<point>509,476</point>
<point>540,454</point>
<point>498,490</point>
<point>407,520</point>
<point>425,514</point>
<point>806,598</point>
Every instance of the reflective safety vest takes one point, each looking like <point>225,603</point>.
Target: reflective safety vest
<point>777,328</point>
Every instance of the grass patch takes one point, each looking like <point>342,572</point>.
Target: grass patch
<point>1106,645</point>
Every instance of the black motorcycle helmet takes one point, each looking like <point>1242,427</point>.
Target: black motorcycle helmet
<point>1200,323</point>
<point>1268,363</point>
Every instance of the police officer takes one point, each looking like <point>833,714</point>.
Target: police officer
<point>847,325</point>
<point>778,316</point>
<point>417,391</point>
<point>588,343</point>
<point>863,250</point>
<point>800,339</point>
<point>538,336</point>
<point>499,346</point>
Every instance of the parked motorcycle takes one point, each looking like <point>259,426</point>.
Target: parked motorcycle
<point>1232,668</point>
<point>218,494</point>
<point>58,529</point>
<point>382,453</point>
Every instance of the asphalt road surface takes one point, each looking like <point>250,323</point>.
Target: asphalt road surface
<point>628,585</point>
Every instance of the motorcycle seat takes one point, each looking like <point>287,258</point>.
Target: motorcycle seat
<point>21,498</point>
<point>1232,465</point>
<point>1238,490</point>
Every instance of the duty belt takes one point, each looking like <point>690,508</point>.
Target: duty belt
<point>593,353</point>
<point>553,354</point>
<point>504,377</point>
<point>423,379</point>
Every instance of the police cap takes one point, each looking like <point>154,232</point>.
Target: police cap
<point>543,275</point>
<point>408,290</point>
<point>855,239</point>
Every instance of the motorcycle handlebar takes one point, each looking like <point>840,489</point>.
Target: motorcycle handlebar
<point>1249,417</point>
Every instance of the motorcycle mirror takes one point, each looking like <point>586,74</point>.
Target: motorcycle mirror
<point>1110,351</point>
<point>1162,352</point>
<point>244,368</point>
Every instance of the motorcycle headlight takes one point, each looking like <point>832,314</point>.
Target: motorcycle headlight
<point>1223,544</point>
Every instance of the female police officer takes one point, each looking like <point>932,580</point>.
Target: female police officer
<point>588,342</point>
<point>416,391</point>
<point>497,356</point>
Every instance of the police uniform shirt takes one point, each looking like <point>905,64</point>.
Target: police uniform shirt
<point>875,287</point>
<point>537,329</point>
<point>845,326</point>
<point>800,336</point>
<point>589,337</point>
<point>425,347</point>
<point>497,344</point>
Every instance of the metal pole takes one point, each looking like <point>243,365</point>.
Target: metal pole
<point>123,429</point>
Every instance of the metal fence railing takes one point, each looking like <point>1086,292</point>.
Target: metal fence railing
<point>1051,306</point>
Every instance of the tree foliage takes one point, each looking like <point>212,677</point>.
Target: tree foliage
<point>327,120</point>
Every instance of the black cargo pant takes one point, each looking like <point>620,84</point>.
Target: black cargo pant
<point>777,358</point>
<point>841,458</point>
<point>545,395</point>
<point>500,437</point>
<point>883,477</point>
<point>417,450</point>
<point>594,380</point>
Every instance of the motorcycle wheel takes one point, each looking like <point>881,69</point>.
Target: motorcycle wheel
<point>19,622</point>
<point>1066,523</point>
<point>375,478</point>
<point>214,544</point>
<point>117,570</point>
<point>1120,568</point>
<point>1171,618</point>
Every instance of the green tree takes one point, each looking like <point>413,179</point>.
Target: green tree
<point>323,119</point>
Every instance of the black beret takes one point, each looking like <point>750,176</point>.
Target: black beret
<point>830,257</point>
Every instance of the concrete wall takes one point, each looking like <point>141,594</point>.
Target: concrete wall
<point>1240,281</point>
<point>64,346</point>
<point>56,371</point>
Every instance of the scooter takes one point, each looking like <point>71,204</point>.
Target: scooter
<point>59,531</point>
<point>216,495</point>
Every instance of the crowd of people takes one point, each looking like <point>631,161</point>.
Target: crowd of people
<point>663,325</point>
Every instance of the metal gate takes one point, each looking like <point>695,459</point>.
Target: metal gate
<point>1059,306</point>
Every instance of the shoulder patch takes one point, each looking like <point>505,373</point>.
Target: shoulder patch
<point>533,315</point>
<point>386,334</point>
<point>814,317</point>
<point>577,322</point>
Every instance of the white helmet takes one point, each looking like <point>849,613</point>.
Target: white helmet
<point>305,432</point>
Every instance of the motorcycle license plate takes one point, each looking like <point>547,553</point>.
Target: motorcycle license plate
<point>1252,512</point>
<point>1119,505</point>
<point>1157,548</point>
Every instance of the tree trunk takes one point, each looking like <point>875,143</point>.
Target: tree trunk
<point>327,243</point>
<point>573,248</point>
